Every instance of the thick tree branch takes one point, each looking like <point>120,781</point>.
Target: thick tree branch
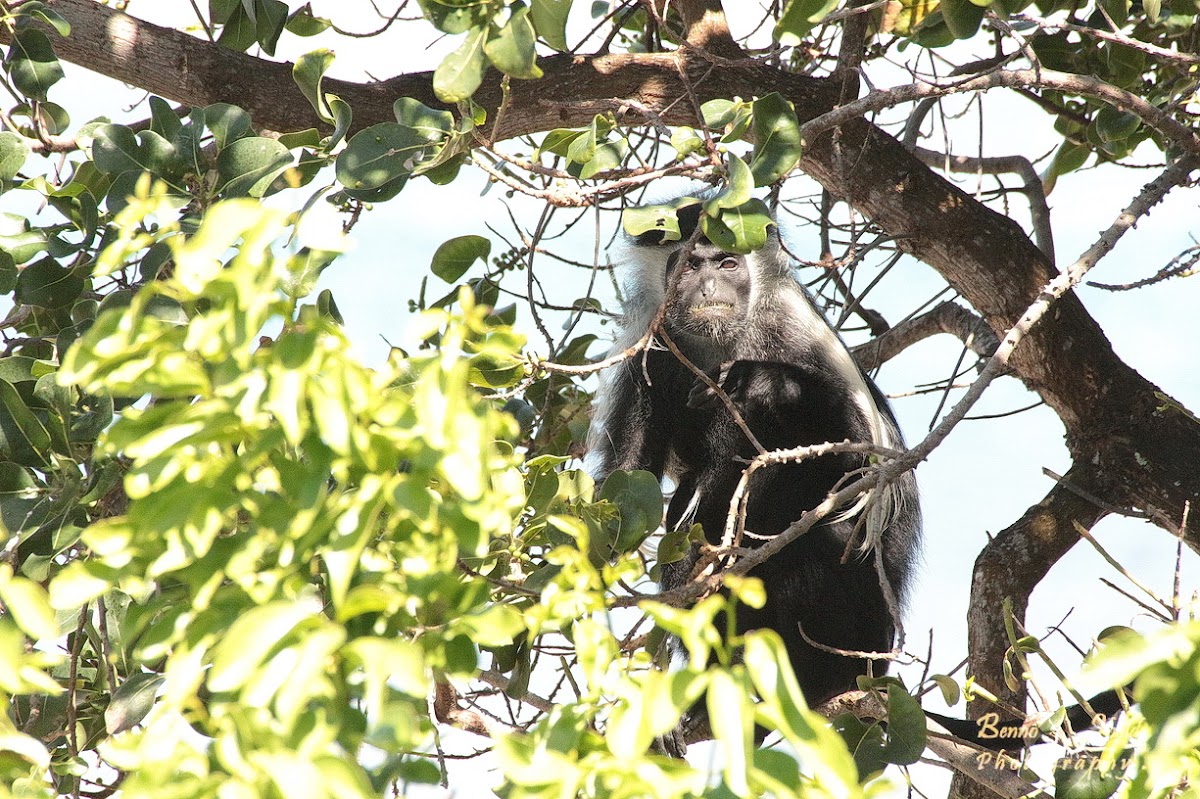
<point>947,317</point>
<point>1034,190</point>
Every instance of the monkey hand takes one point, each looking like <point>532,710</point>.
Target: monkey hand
<point>750,385</point>
<point>730,377</point>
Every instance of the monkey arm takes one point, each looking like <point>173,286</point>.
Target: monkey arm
<point>635,431</point>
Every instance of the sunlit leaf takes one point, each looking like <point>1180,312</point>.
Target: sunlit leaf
<point>32,64</point>
<point>461,72</point>
<point>511,49</point>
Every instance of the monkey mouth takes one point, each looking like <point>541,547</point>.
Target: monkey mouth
<point>711,309</point>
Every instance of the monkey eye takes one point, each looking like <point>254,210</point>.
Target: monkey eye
<point>731,263</point>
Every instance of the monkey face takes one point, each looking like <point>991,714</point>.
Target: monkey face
<point>708,292</point>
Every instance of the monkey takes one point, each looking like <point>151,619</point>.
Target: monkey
<point>750,325</point>
<point>747,322</point>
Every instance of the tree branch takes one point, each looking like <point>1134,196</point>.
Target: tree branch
<point>946,317</point>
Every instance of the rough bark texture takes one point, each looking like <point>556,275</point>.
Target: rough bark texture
<point>1139,448</point>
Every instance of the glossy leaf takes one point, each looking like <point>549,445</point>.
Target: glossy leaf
<point>302,22</point>
<point>743,229</point>
<point>32,64</point>
<point>799,17</point>
<point>549,19</point>
<point>383,155</point>
<point>248,166</point>
<point>962,17</point>
<point>48,285</point>
<point>132,702</point>
<point>865,742</point>
<point>454,257</point>
<point>461,72</point>
<point>308,72</point>
<point>23,437</point>
<point>228,123</point>
<point>906,732</point>
<point>28,604</point>
<point>40,11</point>
<point>453,17</point>
<point>637,220</point>
<point>639,501</point>
<point>777,140</point>
<point>511,49</point>
<point>13,152</point>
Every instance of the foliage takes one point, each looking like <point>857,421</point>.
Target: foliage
<point>237,561</point>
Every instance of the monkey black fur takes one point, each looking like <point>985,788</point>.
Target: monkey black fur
<point>749,324</point>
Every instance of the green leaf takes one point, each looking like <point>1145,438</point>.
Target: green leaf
<point>239,32</point>
<point>730,713</point>
<point>777,141</point>
<point>800,17</point>
<point>48,285</point>
<point>742,229</point>
<point>13,152</point>
<point>1080,777</point>
<point>220,11</point>
<point>302,22</point>
<point>132,702</point>
<point>637,220</point>
<point>951,693</point>
<point>18,239</point>
<point>608,156</point>
<point>80,581</point>
<point>115,149</point>
<point>454,257</point>
<point>686,141</point>
<point>248,166</point>
<point>46,15</point>
<point>550,21</point>
<point>32,64</point>
<point>432,124</point>
<point>384,154</point>
<point>865,742</point>
<point>250,640</point>
<point>639,502</point>
<point>719,113</point>
<point>461,72</point>
<point>962,17</point>
<point>1117,9</point>
<point>272,16</point>
<point>906,731</point>
<point>308,72</point>
<point>228,123</point>
<point>342,117</point>
<point>454,17</point>
<point>163,119</point>
<point>28,604</point>
<point>511,49</point>
<point>582,148</point>
<point>1113,125</point>
<point>739,188</point>
<point>328,308</point>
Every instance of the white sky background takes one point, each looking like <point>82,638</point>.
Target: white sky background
<point>976,483</point>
